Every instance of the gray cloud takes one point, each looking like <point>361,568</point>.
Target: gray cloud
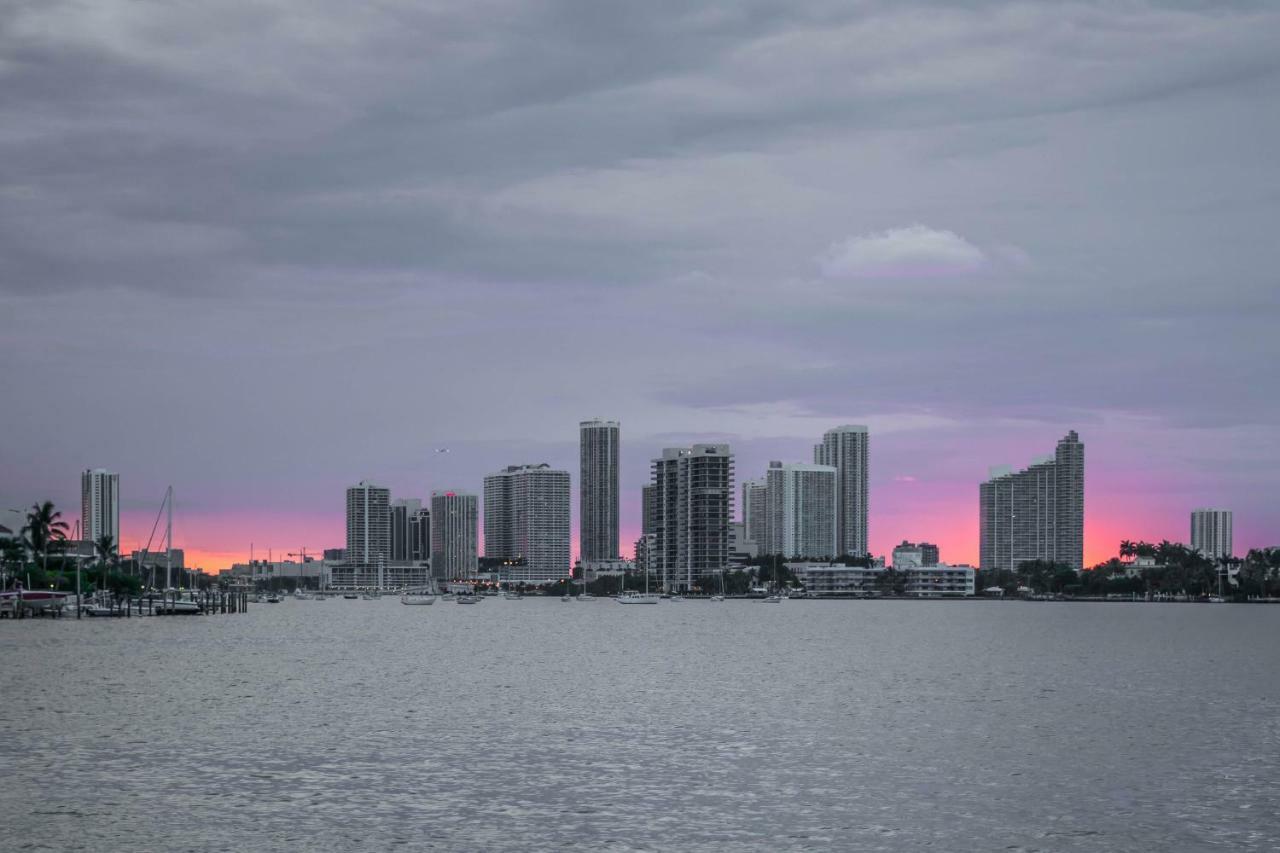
<point>486,220</point>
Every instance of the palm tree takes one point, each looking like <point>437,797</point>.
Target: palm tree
<point>12,554</point>
<point>1127,548</point>
<point>44,527</point>
<point>105,548</point>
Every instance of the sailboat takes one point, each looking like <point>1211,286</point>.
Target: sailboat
<point>171,602</point>
<point>720,595</point>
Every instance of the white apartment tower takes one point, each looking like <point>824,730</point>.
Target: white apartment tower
<point>1036,513</point>
<point>598,491</point>
<point>454,519</point>
<point>526,517</point>
<point>1211,532</point>
<point>692,510</point>
<point>100,505</point>
<point>845,449</point>
<point>800,503</point>
<point>368,524</point>
<point>755,518</point>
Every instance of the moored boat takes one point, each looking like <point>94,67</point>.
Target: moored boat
<point>639,598</point>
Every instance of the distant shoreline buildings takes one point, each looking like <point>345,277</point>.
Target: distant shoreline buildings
<point>807,512</point>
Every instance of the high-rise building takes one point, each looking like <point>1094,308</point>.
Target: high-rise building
<point>598,491</point>
<point>845,448</point>
<point>402,512</point>
<point>526,519</point>
<point>755,517</point>
<point>693,506</point>
<point>800,506</point>
<point>454,519</point>
<point>911,554</point>
<point>648,504</point>
<point>1036,513</point>
<point>420,536</point>
<point>100,505</point>
<point>368,524</point>
<point>1211,532</point>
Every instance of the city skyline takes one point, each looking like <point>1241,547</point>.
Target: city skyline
<point>952,524</point>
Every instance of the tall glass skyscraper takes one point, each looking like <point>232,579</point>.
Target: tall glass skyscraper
<point>454,545</point>
<point>598,490</point>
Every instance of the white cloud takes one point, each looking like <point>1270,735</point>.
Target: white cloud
<point>914,251</point>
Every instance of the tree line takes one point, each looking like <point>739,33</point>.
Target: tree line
<point>37,557</point>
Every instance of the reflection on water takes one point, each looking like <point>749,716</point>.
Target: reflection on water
<point>538,724</point>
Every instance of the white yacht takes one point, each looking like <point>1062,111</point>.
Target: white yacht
<point>639,598</point>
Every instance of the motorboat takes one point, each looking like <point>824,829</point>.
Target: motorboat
<point>772,599</point>
<point>468,599</point>
<point>639,598</point>
<point>34,600</point>
<point>417,597</point>
<point>586,596</point>
<point>273,599</point>
<point>350,596</point>
<point>717,597</point>
<point>176,607</point>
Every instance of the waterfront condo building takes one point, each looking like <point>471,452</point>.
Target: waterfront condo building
<point>454,522</point>
<point>693,505</point>
<point>526,520</point>
<point>1211,532</point>
<point>845,448</point>
<point>403,511</point>
<point>420,535</point>
<point>1036,513</point>
<point>915,555</point>
<point>368,524</point>
<point>755,517</point>
<point>597,491</point>
<point>100,506</point>
<point>800,507</point>
<point>647,505</point>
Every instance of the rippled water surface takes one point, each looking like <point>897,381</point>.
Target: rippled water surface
<point>539,724</point>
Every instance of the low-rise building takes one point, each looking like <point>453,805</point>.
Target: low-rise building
<point>940,581</point>
<point>836,579</point>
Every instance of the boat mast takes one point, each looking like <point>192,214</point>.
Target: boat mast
<point>168,540</point>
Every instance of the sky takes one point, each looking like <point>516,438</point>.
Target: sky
<point>262,251</point>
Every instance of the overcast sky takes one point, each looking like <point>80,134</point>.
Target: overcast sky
<point>264,250</point>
